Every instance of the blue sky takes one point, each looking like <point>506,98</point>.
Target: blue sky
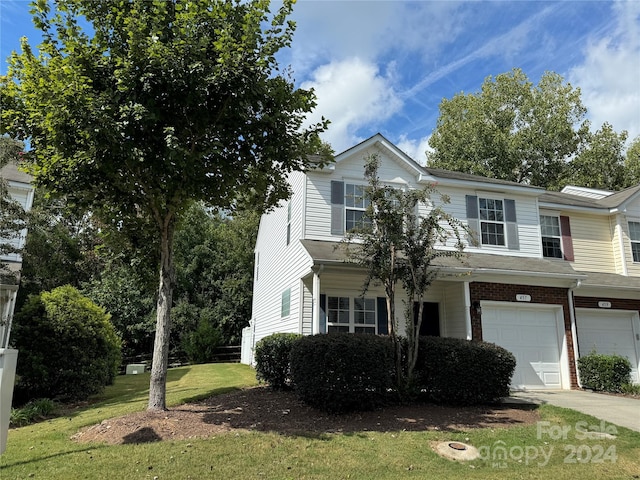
<point>384,66</point>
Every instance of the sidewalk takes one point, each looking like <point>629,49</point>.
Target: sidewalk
<point>621,411</point>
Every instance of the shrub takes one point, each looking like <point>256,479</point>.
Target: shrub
<point>272,359</point>
<point>462,372</point>
<point>343,372</point>
<point>200,345</point>
<point>32,412</point>
<point>68,347</point>
<point>607,373</point>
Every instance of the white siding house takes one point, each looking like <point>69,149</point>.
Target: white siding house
<point>515,286</point>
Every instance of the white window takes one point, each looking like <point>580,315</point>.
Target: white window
<point>492,221</point>
<point>351,315</point>
<point>551,236</point>
<point>356,204</point>
<point>634,236</point>
<point>285,306</point>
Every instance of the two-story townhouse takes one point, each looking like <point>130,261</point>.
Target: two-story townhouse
<point>504,290</point>
<point>20,190</point>
<point>598,232</point>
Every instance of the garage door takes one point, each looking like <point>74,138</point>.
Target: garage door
<point>609,332</point>
<point>535,337</point>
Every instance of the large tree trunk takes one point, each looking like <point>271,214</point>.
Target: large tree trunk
<point>158,383</point>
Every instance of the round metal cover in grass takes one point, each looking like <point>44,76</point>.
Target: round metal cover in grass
<point>456,451</point>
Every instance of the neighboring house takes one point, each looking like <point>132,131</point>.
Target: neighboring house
<point>20,190</point>
<point>518,285</point>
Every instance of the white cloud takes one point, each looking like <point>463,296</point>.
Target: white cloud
<point>352,94</point>
<point>415,148</point>
<point>609,77</point>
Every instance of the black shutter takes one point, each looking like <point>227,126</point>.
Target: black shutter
<point>383,323</point>
<point>337,208</point>
<point>513,240</point>
<point>323,314</point>
<point>472,220</point>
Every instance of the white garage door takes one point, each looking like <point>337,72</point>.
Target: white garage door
<point>609,332</point>
<point>535,337</point>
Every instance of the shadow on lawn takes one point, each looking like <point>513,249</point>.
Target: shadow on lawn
<point>263,409</point>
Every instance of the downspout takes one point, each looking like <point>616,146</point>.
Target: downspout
<point>625,271</point>
<point>316,300</point>
<point>574,330</point>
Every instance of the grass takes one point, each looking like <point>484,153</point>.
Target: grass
<point>44,450</point>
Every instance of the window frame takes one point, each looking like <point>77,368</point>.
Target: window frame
<point>489,221</point>
<point>285,303</point>
<point>370,305</point>
<point>349,197</point>
<point>558,237</point>
<point>634,242</point>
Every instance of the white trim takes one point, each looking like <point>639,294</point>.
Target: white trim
<point>467,313</point>
<point>574,334</point>
<point>623,257</point>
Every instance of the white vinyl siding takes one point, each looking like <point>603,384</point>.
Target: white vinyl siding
<point>592,243</point>
<point>281,266</point>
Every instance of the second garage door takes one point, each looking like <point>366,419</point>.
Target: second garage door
<point>535,336</point>
<point>609,332</point>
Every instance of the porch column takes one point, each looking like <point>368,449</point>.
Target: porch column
<point>316,300</point>
<point>467,312</point>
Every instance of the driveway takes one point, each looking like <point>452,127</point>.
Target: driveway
<point>621,411</point>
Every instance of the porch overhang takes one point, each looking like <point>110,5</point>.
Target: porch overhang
<point>470,267</point>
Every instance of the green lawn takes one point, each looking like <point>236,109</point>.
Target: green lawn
<point>44,450</point>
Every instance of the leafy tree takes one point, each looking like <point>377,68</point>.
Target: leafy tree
<point>395,243</point>
<point>632,163</point>
<point>12,216</point>
<point>600,161</point>
<point>511,129</point>
<point>68,347</point>
<point>169,102</point>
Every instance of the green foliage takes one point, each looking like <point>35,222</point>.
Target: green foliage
<point>599,162</point>
<point>343,372</point>
<point>632,162</point>
<point>462,372</point>
<point>166,103</point>
<point>34,411</point>
<point>607,373</point>
<point>200,344</point>
<point>68,347</point>
<point>214,267</point>
<point>511,129</point>
<point>123,290</point>
<point>630,388</point>
<point>396,243</point>
<point>272,356</point>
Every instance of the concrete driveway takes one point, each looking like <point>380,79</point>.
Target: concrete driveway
<point>621,411</point>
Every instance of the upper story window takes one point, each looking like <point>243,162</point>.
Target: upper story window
<point>551,236</point>
<point>356,204</point>
<point>351,315</point>
<point>285,304</point>
<point>491,221</point>
<point>634,236</point>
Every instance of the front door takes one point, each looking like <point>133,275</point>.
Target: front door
<point>430,319</point>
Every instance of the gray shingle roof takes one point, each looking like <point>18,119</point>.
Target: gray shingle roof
<point>335,253</point>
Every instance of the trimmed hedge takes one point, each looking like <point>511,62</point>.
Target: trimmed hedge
<point>606,373</point>
<point>462,372</point>
<point>343,372</point>
<point>272,359</point>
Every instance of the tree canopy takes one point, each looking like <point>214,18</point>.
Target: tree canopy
<point>162,104</point>
<point>534,134</point>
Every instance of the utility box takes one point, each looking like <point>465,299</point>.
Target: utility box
<point>135,368</point>
<point>8,361</point>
